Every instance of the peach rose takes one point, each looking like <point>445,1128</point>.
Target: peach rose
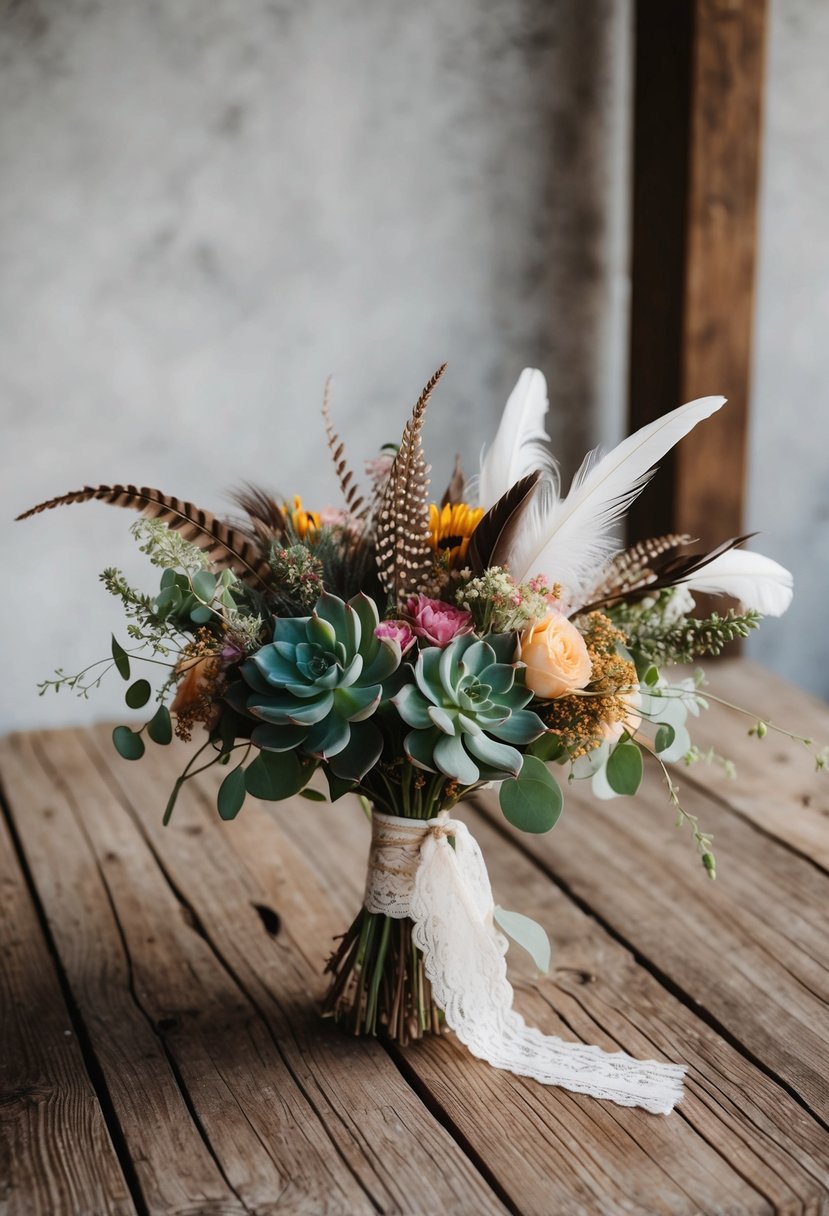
<point>556,657</point>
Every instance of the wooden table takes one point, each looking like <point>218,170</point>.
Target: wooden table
<point>161,1052</point>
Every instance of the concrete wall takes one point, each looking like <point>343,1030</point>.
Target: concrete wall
<point>205,209</point>
<point>789,453</point>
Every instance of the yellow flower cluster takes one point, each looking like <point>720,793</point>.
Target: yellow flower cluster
<point>583,719</point>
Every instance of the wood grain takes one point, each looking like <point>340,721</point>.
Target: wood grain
<point>562,1149</point>
<point>750,951</point>
<point>378,1128</point>
<point>193,955</point>
<point>56,1155</point>
<point>697,133</point>
<point>777,786</point>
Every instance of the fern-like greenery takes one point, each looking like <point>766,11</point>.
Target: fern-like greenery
<point>665,642</point>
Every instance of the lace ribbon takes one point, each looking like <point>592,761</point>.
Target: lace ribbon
<point>414,872</point>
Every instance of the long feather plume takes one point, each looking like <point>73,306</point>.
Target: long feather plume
<point>353,498</point>
<point>496,532</point>
<point>521,444</point>
<point>224,544</point>
<point>569,540</point>
<point>756,581</point>
<point>404,557</point>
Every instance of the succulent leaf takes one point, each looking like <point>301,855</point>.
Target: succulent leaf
<point>466,709</point>
<point>317,683</point>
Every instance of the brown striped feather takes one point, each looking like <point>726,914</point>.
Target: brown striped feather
<point>353,498</point>
<point>224,544</point>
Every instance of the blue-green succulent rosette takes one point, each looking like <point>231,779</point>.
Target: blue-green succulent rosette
<point>467,710</point>
<point>317,684</point>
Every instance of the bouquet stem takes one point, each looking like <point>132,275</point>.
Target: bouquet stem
<point>378,984</point>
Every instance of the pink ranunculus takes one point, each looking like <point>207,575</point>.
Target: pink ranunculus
<point>436,622</point>
<point>396,631</point>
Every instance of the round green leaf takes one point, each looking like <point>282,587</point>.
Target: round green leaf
<point>201,614</point>
<point>232,793</point>
<point>121,659</point>
<point>159,727</point>
<point>664,737</point>
<point>127,743</point>
<point>138,694</point>
<point>168,578</point>
<point>548,748</point>
<point>527,933</point>
<point>204,585</point>
<point>624,768</point>
<point>275,775</point>
<point>532,801</point>
<point>313,795</point>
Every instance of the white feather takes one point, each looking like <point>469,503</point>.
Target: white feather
<point>568,540</point>
<point>520,445</point>
<point>756,581</point>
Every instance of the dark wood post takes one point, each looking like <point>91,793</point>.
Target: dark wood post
<point>699,72</point>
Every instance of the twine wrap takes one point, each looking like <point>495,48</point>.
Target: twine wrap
<point>414,872</point>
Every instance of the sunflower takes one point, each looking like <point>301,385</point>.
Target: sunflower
<point>450,528</point>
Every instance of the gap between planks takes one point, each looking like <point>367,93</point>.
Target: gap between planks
<point>315,840</point>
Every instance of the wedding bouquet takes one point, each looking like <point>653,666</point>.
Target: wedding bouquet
<point>413,652</point>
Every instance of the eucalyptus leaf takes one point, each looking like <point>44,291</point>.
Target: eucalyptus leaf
<point>528,934</point>
<point>168,578</point>
<point>532,801</point>
<point>624,768</point>
<point>121,659</point>
<point>201,614</point>
<point>138,694</point>
<point>204,585</point>
<point>275,775</point>
<point>128,743</point>
<point>232,794</point>
<point>665,736</point>
<point>548,748</point>
<point>160,727</point>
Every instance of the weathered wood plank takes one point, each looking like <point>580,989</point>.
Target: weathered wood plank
<point>697,131</point>
<point>56,1155</point>
<point>142,980</point>
<point>777,786</point>
<point>751,950</point>
<point>402,1157</point>
<point>739,1143</point>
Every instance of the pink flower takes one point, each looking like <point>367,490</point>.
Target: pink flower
<point>436,622</point>
<point>396,631</point>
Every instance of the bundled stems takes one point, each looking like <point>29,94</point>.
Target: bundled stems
<point>378,984</point>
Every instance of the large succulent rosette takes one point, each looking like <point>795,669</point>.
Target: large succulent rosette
<point>317,684</point>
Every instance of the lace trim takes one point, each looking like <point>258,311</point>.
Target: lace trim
<point>414,872</point>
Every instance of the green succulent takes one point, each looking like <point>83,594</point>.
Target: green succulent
<point>466,709</point>
<point>317,683</point>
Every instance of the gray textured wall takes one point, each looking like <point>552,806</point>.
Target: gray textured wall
<point>205,209</point>
<point>789,452</point>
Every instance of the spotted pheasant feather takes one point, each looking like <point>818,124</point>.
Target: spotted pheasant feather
<point>404,556</point>
<point>224,544</point>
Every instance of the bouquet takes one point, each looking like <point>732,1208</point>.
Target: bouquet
<point>413,652</point>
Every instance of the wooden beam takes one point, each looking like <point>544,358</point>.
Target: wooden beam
<point>697,126</point>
